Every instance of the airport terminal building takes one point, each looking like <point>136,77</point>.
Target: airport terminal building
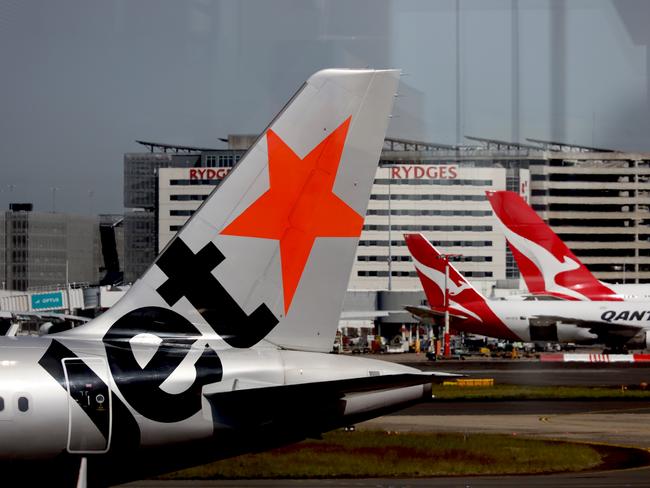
<point>42,249</point>
<point>597,200</point>
<point>443,199</point>
<point>141,194</point>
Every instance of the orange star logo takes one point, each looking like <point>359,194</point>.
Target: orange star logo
<point>299,206</point>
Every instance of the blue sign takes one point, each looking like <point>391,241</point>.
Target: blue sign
<point>47,301</point>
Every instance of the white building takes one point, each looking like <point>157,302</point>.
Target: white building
<point>444,201</point>
<point>447,203</point>
<point>180,192</point>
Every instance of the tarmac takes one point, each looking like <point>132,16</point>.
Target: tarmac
<point>532,372</point>
<point>622,429</point>
<point>625,423</point>
<point>622,423</point>
<point>607,479</point>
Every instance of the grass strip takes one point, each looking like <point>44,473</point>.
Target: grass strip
<point>516,392</point>
<point>364,454</point>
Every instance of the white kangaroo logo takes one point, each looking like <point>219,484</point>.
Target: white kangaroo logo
<point>454,290</point>
<point>545,261</point>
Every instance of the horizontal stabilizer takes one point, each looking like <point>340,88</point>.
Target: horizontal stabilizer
<point>429,314</point>
<point>301,402</point>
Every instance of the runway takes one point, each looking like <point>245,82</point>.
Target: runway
<point>534,407</point>
<point>608,479</point>
<point>535,373</point>
<point>623,429</point>
<point>625,423</point>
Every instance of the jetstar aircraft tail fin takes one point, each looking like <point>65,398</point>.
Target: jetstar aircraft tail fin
<point>546,263</point>
<point>268,256</point>
<point>430,266</point>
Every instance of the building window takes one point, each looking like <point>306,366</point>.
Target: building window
<point>435,243</point>
<point>423,228</point>
<point>425,181</point>
<point>209,182</point>
<point>211,161</point>
<point>226,161</point>
<point>384,274</point>
<point>444,213</point>
<point>429,196</point>
<point>186,198</point>
<point>478,274</point>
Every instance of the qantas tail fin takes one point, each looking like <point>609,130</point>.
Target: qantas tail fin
<point>430,266</point>
<point>268,255</point>
<point>467,307</point>
<point>546,263</point>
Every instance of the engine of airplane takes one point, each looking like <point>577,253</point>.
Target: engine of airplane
<point>640,341</point>
<point>561,332</point>
<point>577,335</point>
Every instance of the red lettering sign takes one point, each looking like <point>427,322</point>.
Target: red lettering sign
<point>419,171</point>
<point>208,173</point>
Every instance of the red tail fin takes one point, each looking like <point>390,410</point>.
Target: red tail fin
<point>464,299</point>
<point>546,263</point>
<point>430,266</point>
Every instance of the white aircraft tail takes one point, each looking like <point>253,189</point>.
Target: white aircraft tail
<point>268,256</point>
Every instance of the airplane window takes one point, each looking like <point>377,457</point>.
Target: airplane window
<point>2,404</point>
<point>23,404</point>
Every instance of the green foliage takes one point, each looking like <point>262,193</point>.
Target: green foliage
<point>381,454</point>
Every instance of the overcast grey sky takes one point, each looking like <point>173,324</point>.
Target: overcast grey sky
<point>82,79</point>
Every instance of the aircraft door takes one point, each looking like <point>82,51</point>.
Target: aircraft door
<point>89,405</point>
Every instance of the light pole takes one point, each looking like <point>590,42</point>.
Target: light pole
<point>390,235</point>
<point>446,338</point>
<point>389,167</point>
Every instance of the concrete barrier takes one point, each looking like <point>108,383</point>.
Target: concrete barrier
<point>594,358</point>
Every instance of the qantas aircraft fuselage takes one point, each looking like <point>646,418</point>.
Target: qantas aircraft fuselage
<point>617,324</point>
<point>626,323</point>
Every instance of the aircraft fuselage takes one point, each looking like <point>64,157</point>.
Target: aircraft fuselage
<point>64,397</point>
<point>626,323</point>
